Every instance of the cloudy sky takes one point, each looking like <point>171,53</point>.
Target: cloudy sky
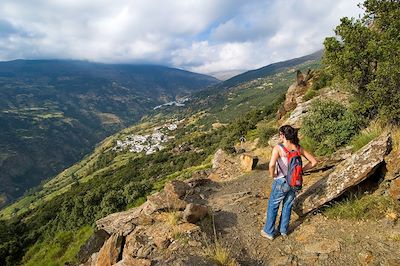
<point>206,36</point>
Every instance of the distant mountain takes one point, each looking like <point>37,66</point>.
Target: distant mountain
<point>52,112</point>
<point>269,70</point>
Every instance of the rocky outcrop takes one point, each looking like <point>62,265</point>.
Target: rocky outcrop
<point>170,199</point>
<point>111,251</point>
<point>295,93</point>
<point>93,245</point>
<point>348,173</point>
<point>294,96</point>
<point>248,162</point>
<point>224,166</point>
<point>194,212</point>
<point>150,231</point>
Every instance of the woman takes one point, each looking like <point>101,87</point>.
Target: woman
<point>281,191</point>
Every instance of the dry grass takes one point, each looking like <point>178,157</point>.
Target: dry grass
<point>221,255</point>
<point>173,218</point>
<point>394,237</point>
<point>217,252</point>
<point>396,139</point>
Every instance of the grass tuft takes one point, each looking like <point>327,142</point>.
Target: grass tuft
<point>173,218</point>
<point>220,255</point>
<point>362,207</point>
<point>365,136</point>
<point>396,139</point>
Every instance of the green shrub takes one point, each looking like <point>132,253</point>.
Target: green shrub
<point>329,125</point>
<point>264,134</point>
<point>365,54</point>
<point>321,80</point>
<point>311,93</point>
<point>308,144</point>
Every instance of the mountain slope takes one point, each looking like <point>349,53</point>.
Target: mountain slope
<point>114,178</point>
<point>269,70</point>
<point>52,112</point>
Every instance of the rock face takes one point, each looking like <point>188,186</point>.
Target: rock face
<point>297,114</point>
<point>248,162</point>
<point>111,251</point>
<point>151,231</point>
<point>194,212</point>
<point>394,190</point>
<point>348,173</point>
<point>224,166</point>
<point>171,198</point>
<point>294,96</point>
<point>93,245</point>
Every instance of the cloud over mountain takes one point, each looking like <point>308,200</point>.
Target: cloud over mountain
<point>205,36</point>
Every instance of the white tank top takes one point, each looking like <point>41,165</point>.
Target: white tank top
<point>281,166</point>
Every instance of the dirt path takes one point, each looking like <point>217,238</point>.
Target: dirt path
<point>239,213</point>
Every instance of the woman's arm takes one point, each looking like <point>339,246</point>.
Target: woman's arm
<point>272,162</point>
<point>312,162</point>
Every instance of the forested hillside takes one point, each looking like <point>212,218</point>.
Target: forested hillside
<point>53,112</point>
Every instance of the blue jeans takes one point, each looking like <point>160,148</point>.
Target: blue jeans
<point>281,191</point>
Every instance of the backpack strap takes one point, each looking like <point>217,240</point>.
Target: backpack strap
<point>298,148</point>
<point>284,148</point>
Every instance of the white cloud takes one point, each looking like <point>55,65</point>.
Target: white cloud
<point>205,36</point>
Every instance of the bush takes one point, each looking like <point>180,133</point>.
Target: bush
<point>365,54</point>
<point>311,93</point>
<point>330,125</point>
<point>321,80</point>
<point>264,134</point>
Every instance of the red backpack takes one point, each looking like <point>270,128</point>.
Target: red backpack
<point>294,175</point>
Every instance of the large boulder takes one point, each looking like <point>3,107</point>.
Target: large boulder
<point>176,188</point>
<point>111,251</point>
<point>122,221</point>
<point>248,162</point>
<point>348,173</point>
<point>163,201</point>
<point>194,212</point>
<point>92,245</point>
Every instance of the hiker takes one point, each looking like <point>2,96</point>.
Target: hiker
<point>287,179</point>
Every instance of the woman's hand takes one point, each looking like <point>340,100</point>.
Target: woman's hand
<point>312,162</point>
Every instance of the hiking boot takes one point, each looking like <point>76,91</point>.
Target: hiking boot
<point>284,235</point>
<point>263,234</point>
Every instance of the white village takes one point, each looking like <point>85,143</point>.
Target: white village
<point>149,143</point>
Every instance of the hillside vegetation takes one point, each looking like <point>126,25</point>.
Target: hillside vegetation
<point>53,112</point>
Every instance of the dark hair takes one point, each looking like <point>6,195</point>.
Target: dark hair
<point>290,134</point>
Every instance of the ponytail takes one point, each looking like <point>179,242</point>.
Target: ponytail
<point>290,134</point>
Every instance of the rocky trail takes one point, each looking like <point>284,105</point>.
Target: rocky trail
<point>239,208</point>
